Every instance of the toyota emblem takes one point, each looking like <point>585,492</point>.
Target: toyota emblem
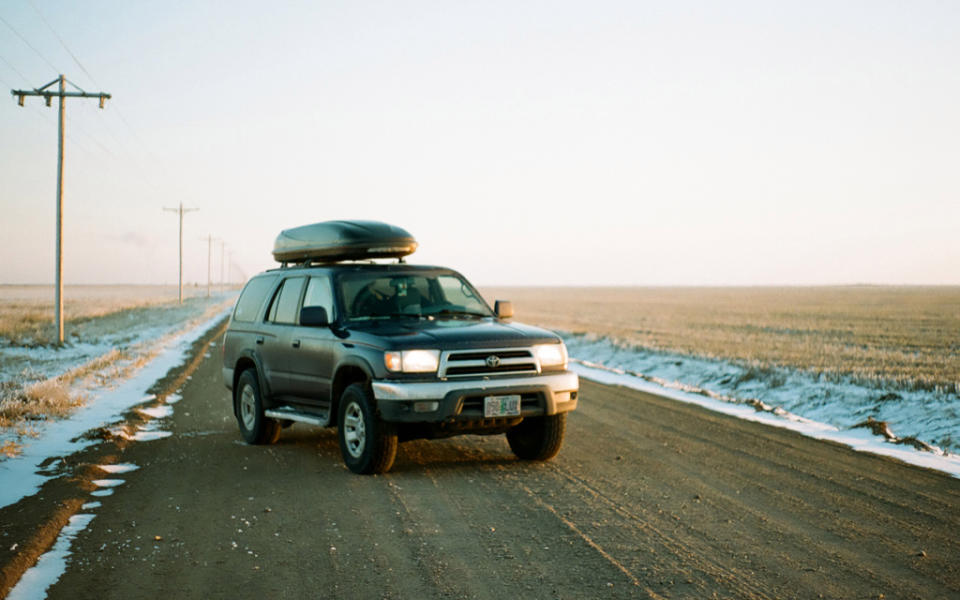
<point>493,361</point>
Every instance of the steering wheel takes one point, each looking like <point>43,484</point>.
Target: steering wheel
<point>367,303</point>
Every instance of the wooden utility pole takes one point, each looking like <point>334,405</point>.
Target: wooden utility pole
<point>209,260</point>
<point>210,240</point>
<point>62,94</point>
<point>223,245</point>
<point>181,211</point>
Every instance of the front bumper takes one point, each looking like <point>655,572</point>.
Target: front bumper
<point>544,394</point>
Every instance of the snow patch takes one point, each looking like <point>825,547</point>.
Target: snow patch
<point>858,439</point>
<point>38,579</point>
<point>928,416</point>
<point>156,412</point>
<point>150,436</point>
<point>118,468</point>
<point>20,476</point>
<point>108,483</point>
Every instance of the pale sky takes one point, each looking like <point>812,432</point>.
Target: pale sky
<point>585,143</point>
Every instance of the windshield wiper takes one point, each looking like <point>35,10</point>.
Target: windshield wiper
<point>459,313</point>
<point>387,316</point>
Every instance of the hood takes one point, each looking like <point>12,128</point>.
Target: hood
<point>450,334</point>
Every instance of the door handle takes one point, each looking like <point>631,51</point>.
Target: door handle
<point>296,343</point>
<point>259,339</point>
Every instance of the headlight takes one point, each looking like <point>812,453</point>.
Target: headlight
<point>552,355</point>
<point>412,361</point>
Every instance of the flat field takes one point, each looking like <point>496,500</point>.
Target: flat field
<point>108,330</point>
<point>909,336</point>
<point>26,311</point>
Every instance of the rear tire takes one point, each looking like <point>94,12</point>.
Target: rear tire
<point>538,438</point>
<point>255,427</point>
<point>368,445</point>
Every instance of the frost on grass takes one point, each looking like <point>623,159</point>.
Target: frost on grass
<point>10,448</point>
<point>106,344</point>
<point>901,338</point>
<point>926,419</point>
<point>50,398</point>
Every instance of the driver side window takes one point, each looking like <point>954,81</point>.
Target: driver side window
<point>456,292</point>
<point>320,293</point>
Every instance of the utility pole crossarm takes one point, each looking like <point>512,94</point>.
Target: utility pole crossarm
<point>59,93</point>
<point>20,93</point>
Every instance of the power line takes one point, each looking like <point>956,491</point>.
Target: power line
<point>137,137</point>
<point>138,169</point>
<point>116,107</point>
<point>63,43</point>
<point>42,57</point>
<point>106,150</point>
<point>111,130</point>
<point>15,70</point>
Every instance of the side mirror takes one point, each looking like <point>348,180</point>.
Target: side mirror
<point>314,316</point>
<point>503,309</point>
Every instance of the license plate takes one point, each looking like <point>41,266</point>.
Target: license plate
<point>501,406</point>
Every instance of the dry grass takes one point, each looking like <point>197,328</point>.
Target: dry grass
<point>906,335</point>
<point>50,398</point>
<point>22,402</point>
<point>118,312</point>
<point>26,311</point>
<point>10,448</point>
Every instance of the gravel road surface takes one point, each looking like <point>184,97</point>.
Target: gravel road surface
<point>648,498</point>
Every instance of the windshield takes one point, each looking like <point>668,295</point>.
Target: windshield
<point>369,296</point>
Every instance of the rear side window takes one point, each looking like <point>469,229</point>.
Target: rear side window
<point>251,298</point>
<point>284,308</point>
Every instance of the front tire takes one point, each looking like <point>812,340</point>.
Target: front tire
<point>538,438</point>
<point>255,427</point>
<point>368,445</point>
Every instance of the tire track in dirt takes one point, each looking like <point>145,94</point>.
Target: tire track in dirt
<point>804,510</point>
<point>681,551</point>
<point>588,540</point>
<point>490,519</point>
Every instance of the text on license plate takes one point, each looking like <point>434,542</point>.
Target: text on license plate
<point>501,406</point>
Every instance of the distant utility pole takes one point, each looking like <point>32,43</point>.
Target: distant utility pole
<point>223,245</point>
<point>62,94</point>
<point>181,211</point>
<point>209,261</point>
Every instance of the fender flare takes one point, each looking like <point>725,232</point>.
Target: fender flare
<point>265,393</point>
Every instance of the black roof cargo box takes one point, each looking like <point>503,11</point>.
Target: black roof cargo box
<point>333,241</point>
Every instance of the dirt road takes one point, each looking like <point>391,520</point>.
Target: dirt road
<point>649,498</point>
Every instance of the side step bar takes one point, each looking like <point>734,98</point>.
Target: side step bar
<point>285,413</point>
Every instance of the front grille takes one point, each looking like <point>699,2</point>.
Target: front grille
<point>484,370</point>
<point>488,362</point>
<point>483,354</point>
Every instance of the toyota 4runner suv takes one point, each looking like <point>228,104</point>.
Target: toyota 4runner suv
<point>387,352</point>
